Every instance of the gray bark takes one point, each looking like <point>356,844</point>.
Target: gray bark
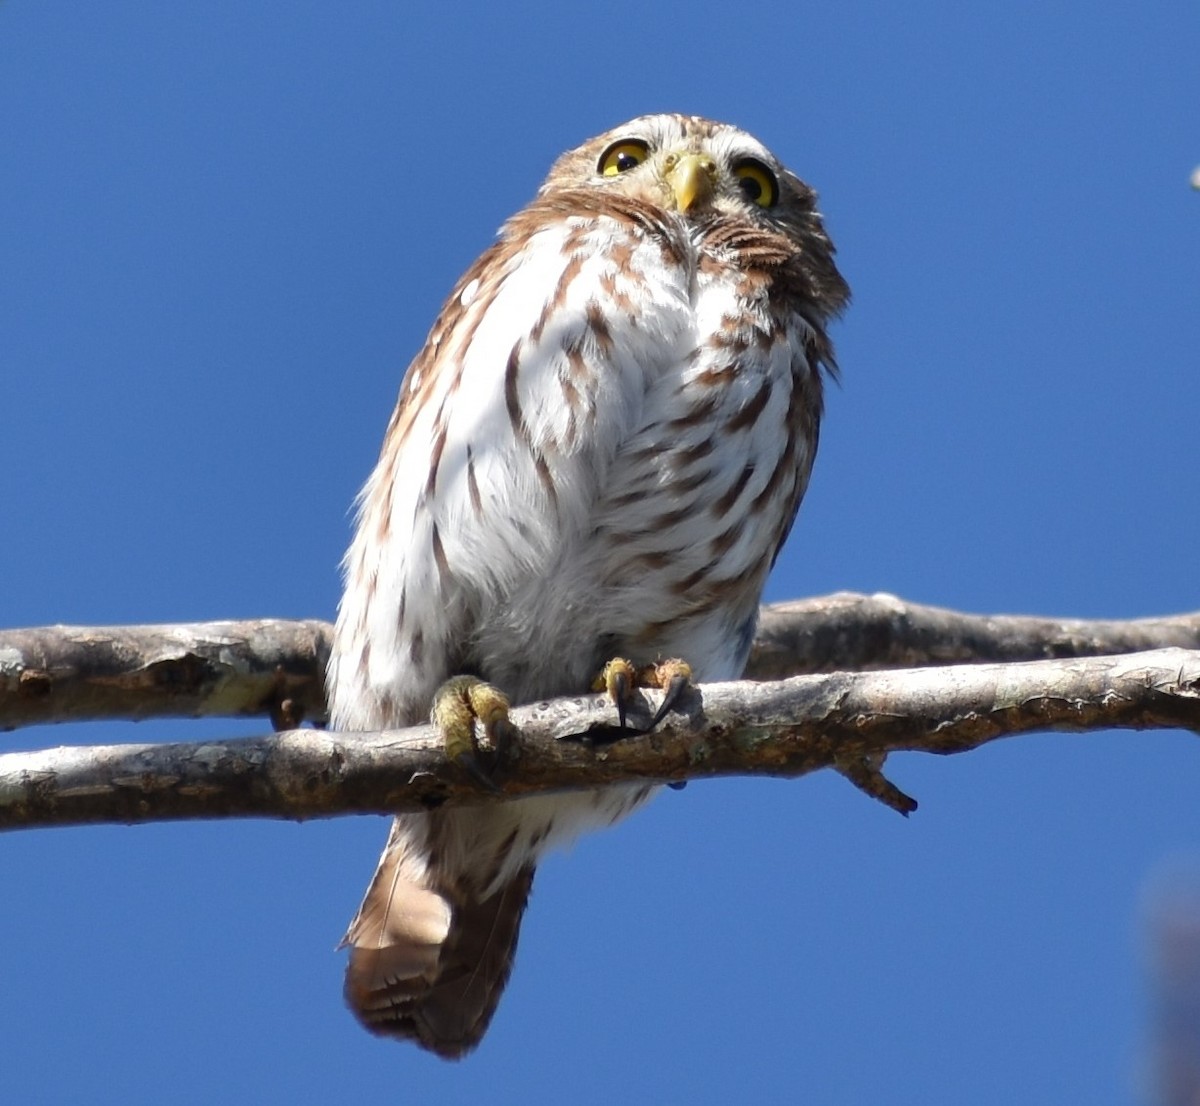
<point>846,721</point>
<point>275,668</point>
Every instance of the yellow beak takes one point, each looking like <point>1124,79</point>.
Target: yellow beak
<point>690,177</point>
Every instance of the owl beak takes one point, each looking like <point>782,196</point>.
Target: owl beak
<point>691,178</point>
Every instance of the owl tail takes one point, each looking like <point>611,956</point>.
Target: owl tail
<point>430,967</point>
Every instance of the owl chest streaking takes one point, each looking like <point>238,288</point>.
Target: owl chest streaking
<point>598,453</point>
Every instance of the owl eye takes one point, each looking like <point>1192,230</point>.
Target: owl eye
<point>622,156</point>
<point>757,182</point>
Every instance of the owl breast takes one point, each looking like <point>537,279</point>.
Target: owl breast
<point>604,463</point>
<point>705,399</point>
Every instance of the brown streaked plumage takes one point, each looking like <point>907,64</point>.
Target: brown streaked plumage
<point>598,453</point>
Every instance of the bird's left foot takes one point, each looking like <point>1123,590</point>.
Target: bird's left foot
<point>620,678</point>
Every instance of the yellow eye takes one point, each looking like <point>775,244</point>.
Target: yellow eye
<point>622,156</point>
<point>757,182</point>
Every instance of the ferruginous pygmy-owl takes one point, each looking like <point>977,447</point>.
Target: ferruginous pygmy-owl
<point>598,453</point>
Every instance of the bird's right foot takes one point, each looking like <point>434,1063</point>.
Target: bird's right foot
<point>620,678</point>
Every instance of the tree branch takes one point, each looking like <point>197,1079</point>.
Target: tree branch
<point>850,631</point>
<point>276,668</point>
<point>237,669</point>
<point>845,721</point>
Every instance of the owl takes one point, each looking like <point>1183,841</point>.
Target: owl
<point>597,454</point>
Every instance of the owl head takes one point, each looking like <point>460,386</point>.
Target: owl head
<point>690,165</point>
<point>710,175</point>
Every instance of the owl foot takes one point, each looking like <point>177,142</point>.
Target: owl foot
<point>457,705</point>
<point>673,677</point>
<point>619,678</point>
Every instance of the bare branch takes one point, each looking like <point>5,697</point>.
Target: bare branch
<point>276,668</point>
<point>854,632</point>
<point>846,721</point>
<point>251,668</point>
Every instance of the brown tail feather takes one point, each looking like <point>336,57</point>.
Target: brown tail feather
<point>430,969</point>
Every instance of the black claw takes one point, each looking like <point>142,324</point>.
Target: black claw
<point>675,688</point>
<point>677,785</point>
<point>469,763</point>
<point>504,734</point>
<point>621,694</point>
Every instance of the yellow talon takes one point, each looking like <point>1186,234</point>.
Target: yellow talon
<point>456,706</point>
<point>665,673</point>
<point>619,678</point>
<point>673,676</point>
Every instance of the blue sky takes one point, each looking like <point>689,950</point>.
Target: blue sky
<point>226,228</point>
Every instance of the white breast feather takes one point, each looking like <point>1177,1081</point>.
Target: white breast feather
<point>529,560</point>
